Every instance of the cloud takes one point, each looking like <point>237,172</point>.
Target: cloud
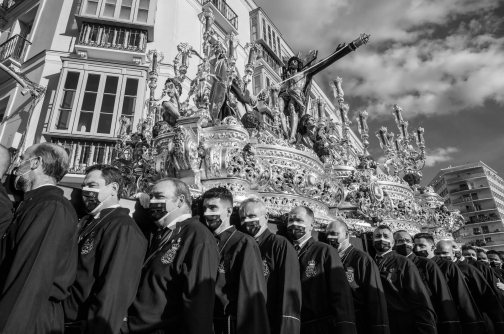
<point>439,155</point>
<point>429,56</point>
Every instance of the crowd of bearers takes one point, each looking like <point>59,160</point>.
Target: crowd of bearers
<point>206,274</point>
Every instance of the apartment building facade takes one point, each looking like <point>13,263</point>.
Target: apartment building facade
<point>92,58</point>
<point>478,192</point>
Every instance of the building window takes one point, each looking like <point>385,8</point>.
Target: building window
<point>253,28</point>
<point>123,10</point>
<point>265,35</point>
<point>257,84</point>
<point>91,102</point>
<point>68,100</point>
<point>476,230</point>
<point>91,7</point>
<point>268,82</point>
<point>269,37</point>
<point>3,107</point>
<point>274,43</point>
<point>485,229</point>
<point>279,49</point>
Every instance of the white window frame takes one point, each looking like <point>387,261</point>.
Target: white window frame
<point>135,6</point>
<point>85,70</point>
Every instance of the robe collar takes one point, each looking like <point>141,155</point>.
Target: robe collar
<point>306,246</point>
<point>260,239</point>
<point>224,235</point>
<point>42,191</point>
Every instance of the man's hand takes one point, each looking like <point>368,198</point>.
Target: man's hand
<point>144,200</point>
<point>500,285</point>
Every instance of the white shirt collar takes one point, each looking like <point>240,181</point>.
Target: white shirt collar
<point>109,207</point>
<point>301,245</point>
<point>343,250</point>
<point>390,250</point>
<point>227,228</point>
<point>179,219</point>
<point>44,185</point>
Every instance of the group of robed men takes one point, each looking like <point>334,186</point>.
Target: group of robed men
<point>202,274</point>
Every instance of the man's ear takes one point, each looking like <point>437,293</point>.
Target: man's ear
<point>115,186</point>
<point>229,211</point>
<point>181,201</point>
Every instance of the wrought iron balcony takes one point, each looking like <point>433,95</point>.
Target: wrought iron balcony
<point>85,153</point>
<point>9,4</point>
<point>225,10</point>
<point>111,37</point>
<point>15,48</point>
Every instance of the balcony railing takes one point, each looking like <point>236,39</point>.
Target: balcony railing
<point>465,177</point>
<point>15,48</point>
<point>276,66</point>
<point>482,219</point>
<point>454,191</point>
<point>9,4</point>
<point>225,10</point>
<point>111,37</point>
<point>85,153</point>
<point>463,200</point>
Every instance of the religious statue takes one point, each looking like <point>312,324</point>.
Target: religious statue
<point>228,97</point>
<point>171,108</point>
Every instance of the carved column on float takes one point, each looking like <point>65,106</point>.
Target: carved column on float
<point>343,109</point>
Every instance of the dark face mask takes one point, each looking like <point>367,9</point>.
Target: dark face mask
<point>296,234</point>
<point>495,264</point>
<point>403,249</point>
<point>422,253</point>
<point>333,242</point>
<point>251,227</point>
<point>381,246</point>
<point>213,221</point>
<point>458,255</point>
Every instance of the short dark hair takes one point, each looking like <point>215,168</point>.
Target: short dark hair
<point>55,160</point>
<point>466,247</point>
<point>480,250</point>
<point>110,174</point>
<point>493,251</point>
<point>309,212</point>
<point>219,192</point>
<point>180,189</point>
<point>426,236</point>
<point>398,231</point>
<point>383,227</point>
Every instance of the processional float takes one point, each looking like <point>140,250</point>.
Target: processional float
<point>284,152</point>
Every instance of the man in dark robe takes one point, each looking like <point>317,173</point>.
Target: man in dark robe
<point>111,254</point>
<point>490,275</point>
<point>370,305</point>
<point>482,293</point>
<point>433,278</point>
<point>470,317</point>
<point>280,268</point>
<point>240,291</point>
<point>39,248</point>
<point>408,303</point>
<point>496,264</point>
<point>6,207</point>
<point>327,303</point>
<point>469,252</point>
<point>177,288</point>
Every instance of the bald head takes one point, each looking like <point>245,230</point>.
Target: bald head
<point>5,160</point>
<point>444,248</point>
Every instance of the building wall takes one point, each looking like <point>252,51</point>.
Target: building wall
<point>55,33</point>
<point>474,189</point>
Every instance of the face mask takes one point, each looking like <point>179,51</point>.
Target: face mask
<point>251,226</point>
<point>421,253</point>
<point>213,220</point>
<point>295,232</point>
<point>381,245</point>
<point>333,241</point>
<point>157,209</point>
<point>404,249</point>
<point>471,258</point>
<point>494,264</point>
<point>458,255</point>
<point>92,200</point>
<point>17,184</point>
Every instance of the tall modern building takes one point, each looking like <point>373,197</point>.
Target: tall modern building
<point>92,58</point>
<point>478,192</point>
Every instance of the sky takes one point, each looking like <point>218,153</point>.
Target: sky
<point>442,61</point>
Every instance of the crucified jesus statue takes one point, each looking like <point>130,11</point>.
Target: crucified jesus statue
<point>297,78</point>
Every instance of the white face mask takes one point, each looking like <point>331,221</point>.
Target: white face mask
<point>18,177</point>
<point>156,209</point>
<point>93,204</point>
